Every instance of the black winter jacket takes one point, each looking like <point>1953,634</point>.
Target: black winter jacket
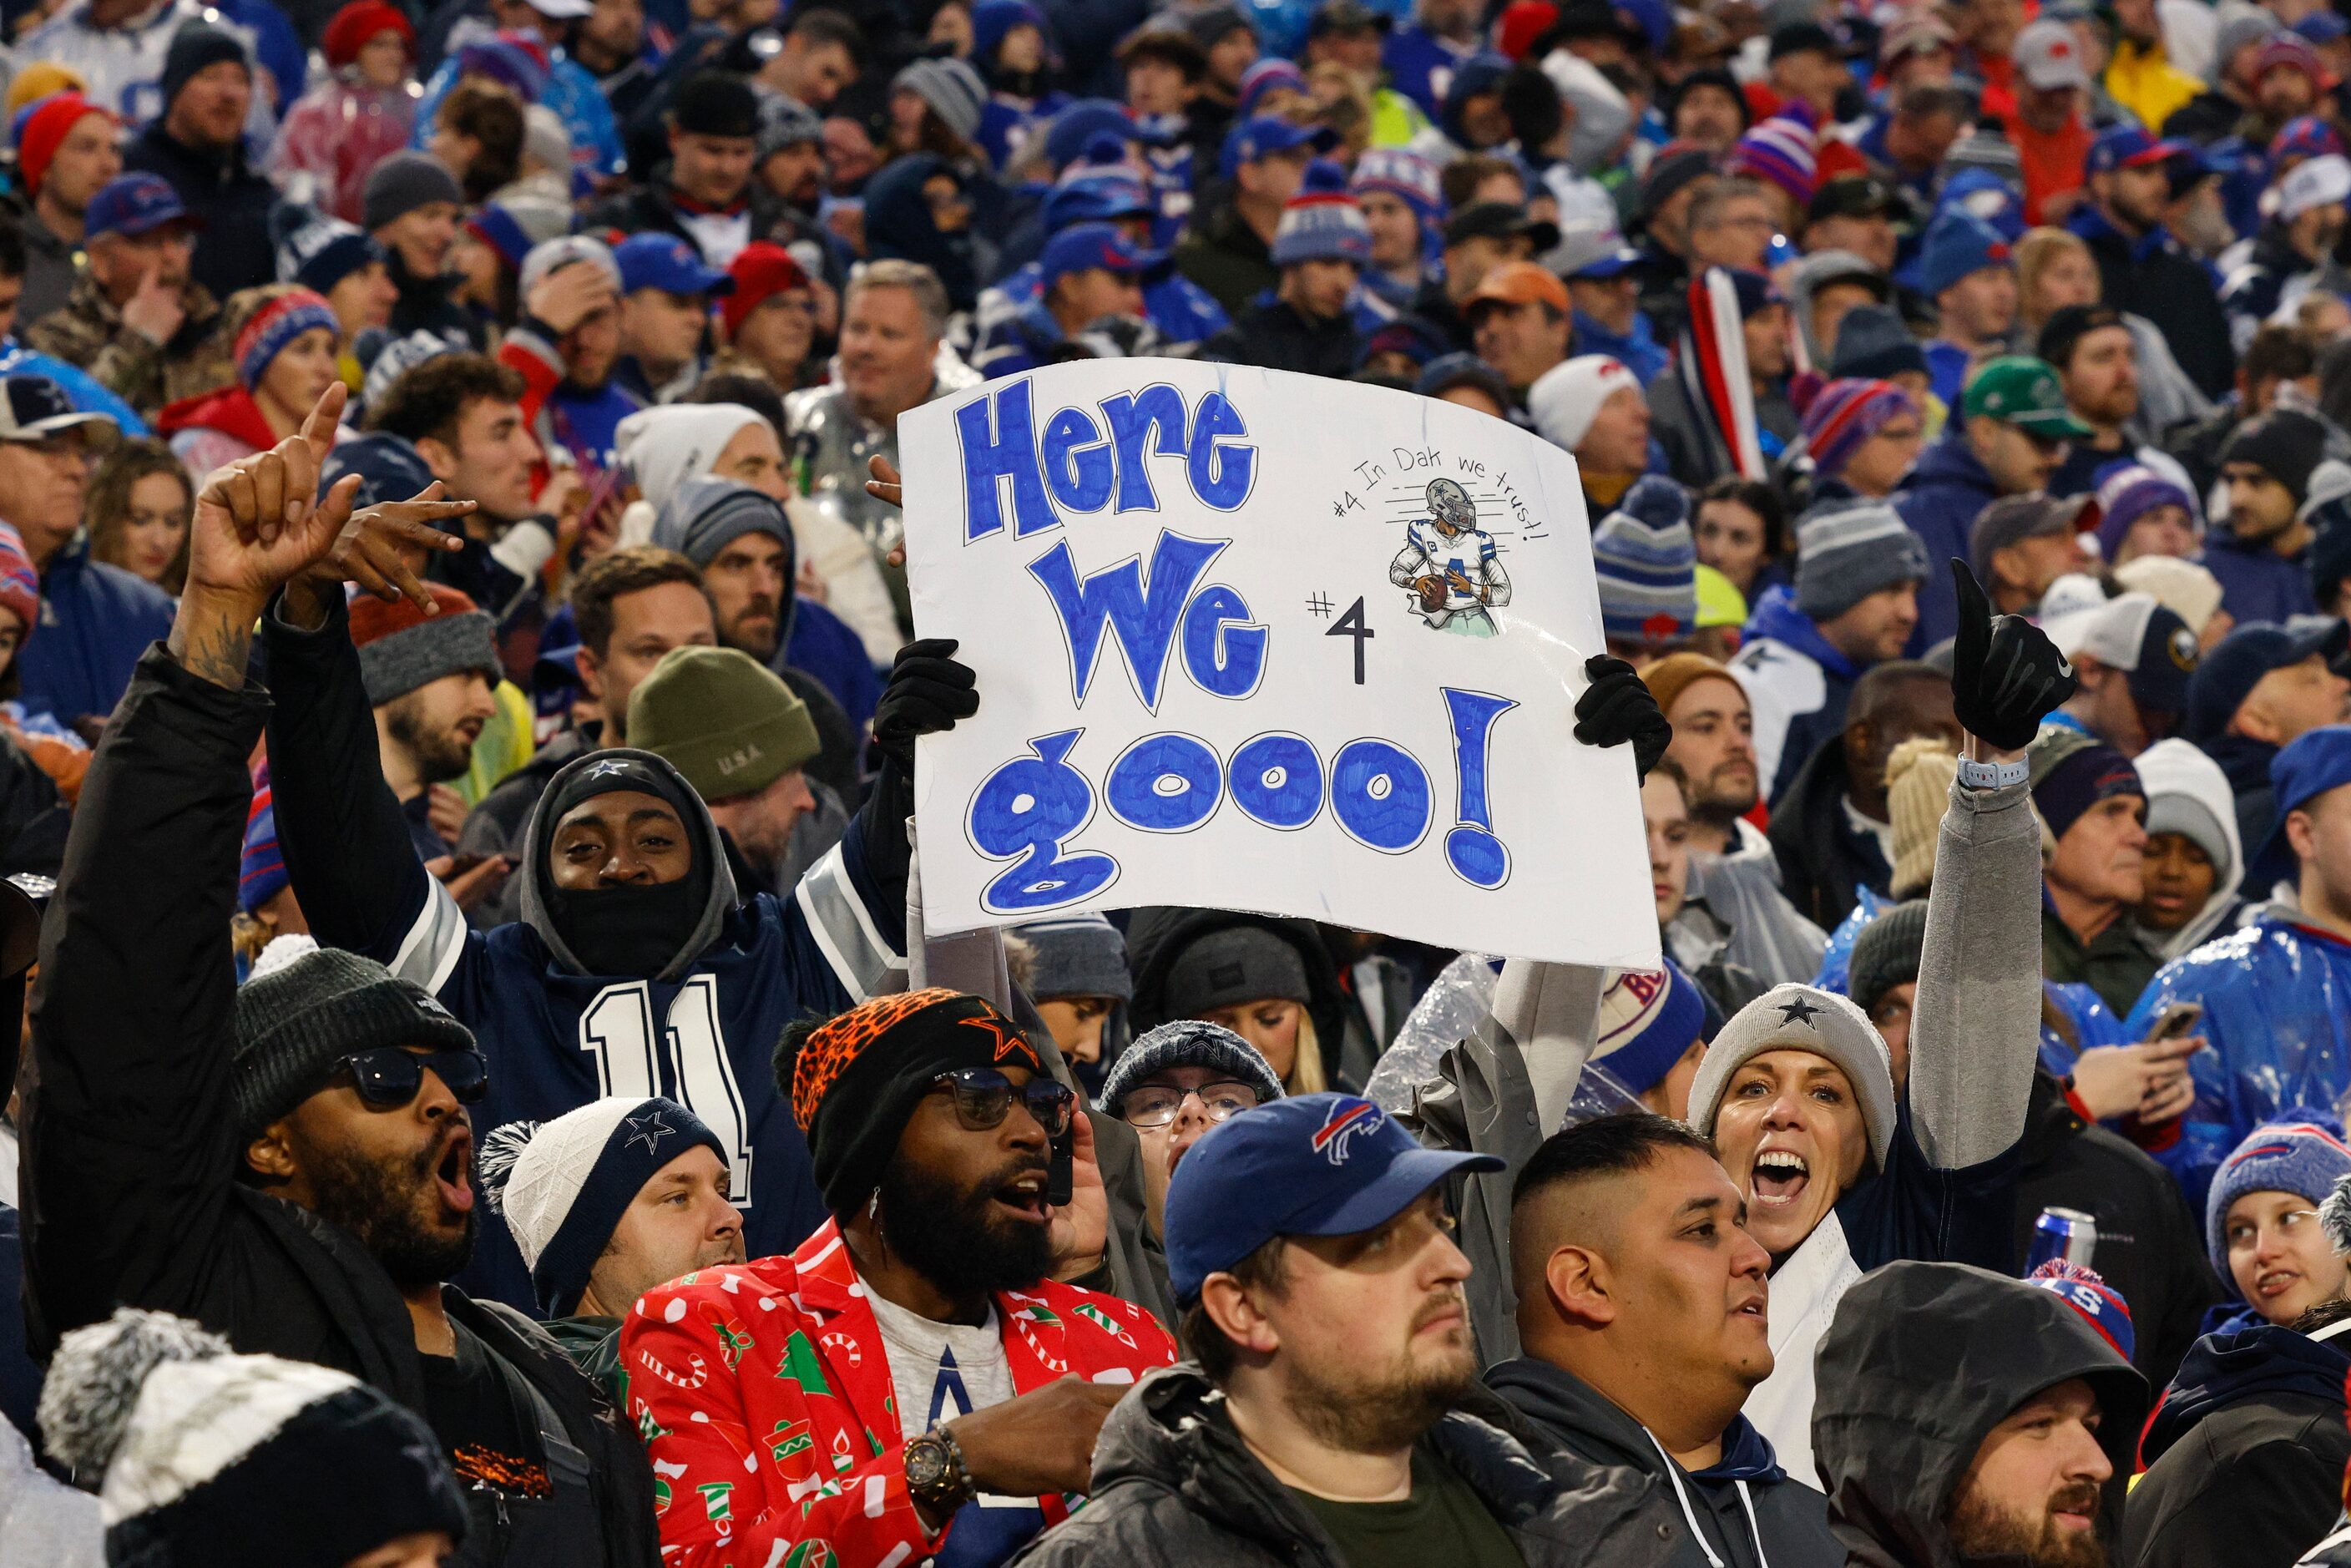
<point>2150,1249</point>
<point>1569,1426</point>
<point>233,248</point>
<point>1279,337</point>
<point>1823,860</point>
<point>129,1150</point>
<point>1175,1486</point>
<point>2245,1454</point>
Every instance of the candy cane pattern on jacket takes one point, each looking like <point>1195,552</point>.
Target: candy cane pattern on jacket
<point>766,1390</point>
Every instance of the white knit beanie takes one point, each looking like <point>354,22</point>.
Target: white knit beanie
<point>663,448</point>
<point>563,1184</point>
<point>1566,398</point>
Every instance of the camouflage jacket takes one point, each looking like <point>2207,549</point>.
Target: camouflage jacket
<point>89,331</point>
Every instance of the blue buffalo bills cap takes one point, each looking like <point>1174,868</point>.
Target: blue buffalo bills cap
<point>2128,147</point>
<point>667,263</point>
<point>1081,247</point>
<point>1266,135</point>
<point>2317,761</point>
<point>135,204</point>
<point>1314,1165</point>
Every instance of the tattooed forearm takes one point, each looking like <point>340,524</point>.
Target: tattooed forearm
<point>211,644</point>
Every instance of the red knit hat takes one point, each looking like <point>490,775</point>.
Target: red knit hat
<point>360,21</point>
<point>761,270</point>
<point>45,126</point>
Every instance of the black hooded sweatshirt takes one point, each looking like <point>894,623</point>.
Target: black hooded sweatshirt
<point>1922,1361</point>
<point>1746,1506</point>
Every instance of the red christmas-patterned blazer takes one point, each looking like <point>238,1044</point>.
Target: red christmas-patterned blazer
<point>763,1392</point>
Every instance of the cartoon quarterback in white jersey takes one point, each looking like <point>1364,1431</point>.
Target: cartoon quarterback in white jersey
<point>1448,563</point>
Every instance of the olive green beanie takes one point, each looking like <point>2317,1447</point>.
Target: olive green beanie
<point>723,720</point>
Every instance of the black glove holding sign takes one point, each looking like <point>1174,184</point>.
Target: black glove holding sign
<point>2006,676</point>
<point>1616,707</point>
<point>927,692</point>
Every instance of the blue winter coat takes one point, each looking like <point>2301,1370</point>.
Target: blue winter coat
<point>2256,582</point>
<point>2277,1018</point>
<point>1939,500</point>
<point>95,620</point>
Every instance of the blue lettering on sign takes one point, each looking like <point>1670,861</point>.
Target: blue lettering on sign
<point>1165,784</point>
<point>1005,452</point>
<point>1030,808</point>
<point>1276,781</point>
<point>1476,855</point>
<point>1224,652</point>
<point>1079,463</point>
<point>1142,616</point>
<point>1379,791</point>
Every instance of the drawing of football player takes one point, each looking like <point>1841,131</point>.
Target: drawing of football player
<point>1448,564</point>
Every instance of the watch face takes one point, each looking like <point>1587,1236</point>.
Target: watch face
<point>926,1465</point>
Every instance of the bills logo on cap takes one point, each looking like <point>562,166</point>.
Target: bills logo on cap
<point>1347,1118</point>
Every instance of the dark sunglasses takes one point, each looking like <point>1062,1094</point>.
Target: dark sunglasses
<point>390,1076</point>
<point>983,1098</point>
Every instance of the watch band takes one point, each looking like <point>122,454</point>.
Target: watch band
<point>1976,775</point>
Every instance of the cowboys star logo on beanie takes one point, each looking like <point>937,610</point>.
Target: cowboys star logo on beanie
<point>563,1184</point>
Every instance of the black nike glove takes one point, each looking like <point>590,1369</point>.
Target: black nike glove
<point>2006,676</point>
<point>1616,707</point>
<point>928,691</point>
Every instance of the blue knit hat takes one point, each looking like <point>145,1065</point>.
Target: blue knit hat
<point>1189,1042</point>
<point>1321,222</point>
<point>2305,1157</point>
<point>1646,563</point>
<point>1958,243</point>
<point>1648,1020</point>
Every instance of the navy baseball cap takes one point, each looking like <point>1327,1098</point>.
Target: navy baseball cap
<point>2317,760</point>
<point>1268,134</point>
<point>2228,673</point>
<point>668,263</point>
<point>1083,246</point>
<point>135,204</point>
<point>1314,1165</point>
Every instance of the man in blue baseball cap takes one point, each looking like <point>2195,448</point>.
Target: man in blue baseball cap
<point>136,320</point>
<point>2258,690</point>
<point>1230,251</point>
<point>1091,277</point>
<point>2121,222</point>
<point>1310,1247</point>
<point>2276,992</point>
<point>665,293</point>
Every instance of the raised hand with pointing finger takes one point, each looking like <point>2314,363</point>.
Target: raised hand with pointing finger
<point>259,523</point>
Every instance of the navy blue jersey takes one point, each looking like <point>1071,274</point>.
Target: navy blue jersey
<point>701,1031</point>
<point>557,1040</point>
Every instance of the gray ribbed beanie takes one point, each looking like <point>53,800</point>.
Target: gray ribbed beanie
<point>951,87</point>
<point>1189,1042</point>
<point>1795,1017</point>
<point>293,1025</point>
<point>1845,554</point>
<point>404,183</point>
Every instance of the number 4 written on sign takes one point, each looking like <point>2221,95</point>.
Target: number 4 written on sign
<point>1350,624</point>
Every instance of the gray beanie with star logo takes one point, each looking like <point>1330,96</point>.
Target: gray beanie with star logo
<point>1803,1017</point>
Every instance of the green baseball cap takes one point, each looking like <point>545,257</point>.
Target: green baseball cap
<point>2021,390</point>
<point>723,720</point>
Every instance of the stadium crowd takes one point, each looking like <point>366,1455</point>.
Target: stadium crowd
<point>482,1095</point>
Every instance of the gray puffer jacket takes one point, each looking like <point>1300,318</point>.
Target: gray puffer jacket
<point>1175,1486</point>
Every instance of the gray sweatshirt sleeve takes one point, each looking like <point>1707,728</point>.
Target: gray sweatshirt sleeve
<point>1975,1031</point>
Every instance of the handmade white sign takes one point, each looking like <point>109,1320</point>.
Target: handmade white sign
<point>1253,640</point>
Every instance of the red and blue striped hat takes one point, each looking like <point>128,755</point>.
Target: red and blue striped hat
<point>2086,1290</point>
